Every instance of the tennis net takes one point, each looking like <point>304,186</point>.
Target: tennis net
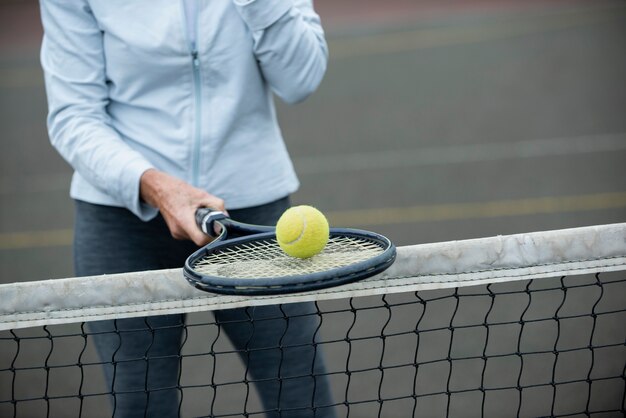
<point>521,325</point>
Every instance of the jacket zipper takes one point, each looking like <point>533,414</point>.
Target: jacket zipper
<point>195,162</point>
<point>197,91</point>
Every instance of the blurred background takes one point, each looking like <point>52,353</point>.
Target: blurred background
<point>437,120</point>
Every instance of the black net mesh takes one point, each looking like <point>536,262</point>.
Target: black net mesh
<point>549,347</point>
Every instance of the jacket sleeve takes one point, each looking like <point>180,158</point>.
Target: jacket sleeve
<point>288,43</point>
<point>72,57</point>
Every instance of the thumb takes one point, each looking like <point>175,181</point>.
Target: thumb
<point>196,235</point>
<point>194,232</point>
<point>213,202</point>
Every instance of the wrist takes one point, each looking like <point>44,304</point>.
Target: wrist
<point>151,186</point>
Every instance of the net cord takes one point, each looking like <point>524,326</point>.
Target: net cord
<point>451,264</point>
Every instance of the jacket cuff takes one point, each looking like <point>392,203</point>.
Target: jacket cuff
<point>130,189</point>
<point>260,14</point>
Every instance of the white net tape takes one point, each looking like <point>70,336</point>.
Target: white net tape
<point>420,267</point>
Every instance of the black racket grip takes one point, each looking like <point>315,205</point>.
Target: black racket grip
<point>205,219</point>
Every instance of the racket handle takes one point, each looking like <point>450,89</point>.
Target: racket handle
<point>205,219</point>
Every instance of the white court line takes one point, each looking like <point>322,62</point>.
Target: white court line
<point>22,77</point>
<point>368,44</point>
<point>389,216</point>
<point>13,184</point>
<point>413,40</point>
<point>478,210</point>
<point>459,154</point>
<point>391,159</point>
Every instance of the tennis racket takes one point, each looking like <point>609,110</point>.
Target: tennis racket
<point>246,259</point>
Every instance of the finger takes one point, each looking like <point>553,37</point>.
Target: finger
<point>192,231</point>
<point>198,237</point>
<point>217,229</point>
<point>213,202</point>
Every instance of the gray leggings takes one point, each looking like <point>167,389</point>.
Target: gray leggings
<point>141,355</point>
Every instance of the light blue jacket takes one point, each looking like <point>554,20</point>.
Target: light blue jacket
<point>129,90</point>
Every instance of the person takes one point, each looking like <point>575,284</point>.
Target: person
<point>163,107</point>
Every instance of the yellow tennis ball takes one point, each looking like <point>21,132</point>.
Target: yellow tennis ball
<point>302,231</point>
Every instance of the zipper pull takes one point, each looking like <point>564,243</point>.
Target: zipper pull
<point>194,57</point>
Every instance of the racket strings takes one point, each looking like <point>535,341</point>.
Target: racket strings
<point>265,258</point>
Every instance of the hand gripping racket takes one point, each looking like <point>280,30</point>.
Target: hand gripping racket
<point>246,259</point>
